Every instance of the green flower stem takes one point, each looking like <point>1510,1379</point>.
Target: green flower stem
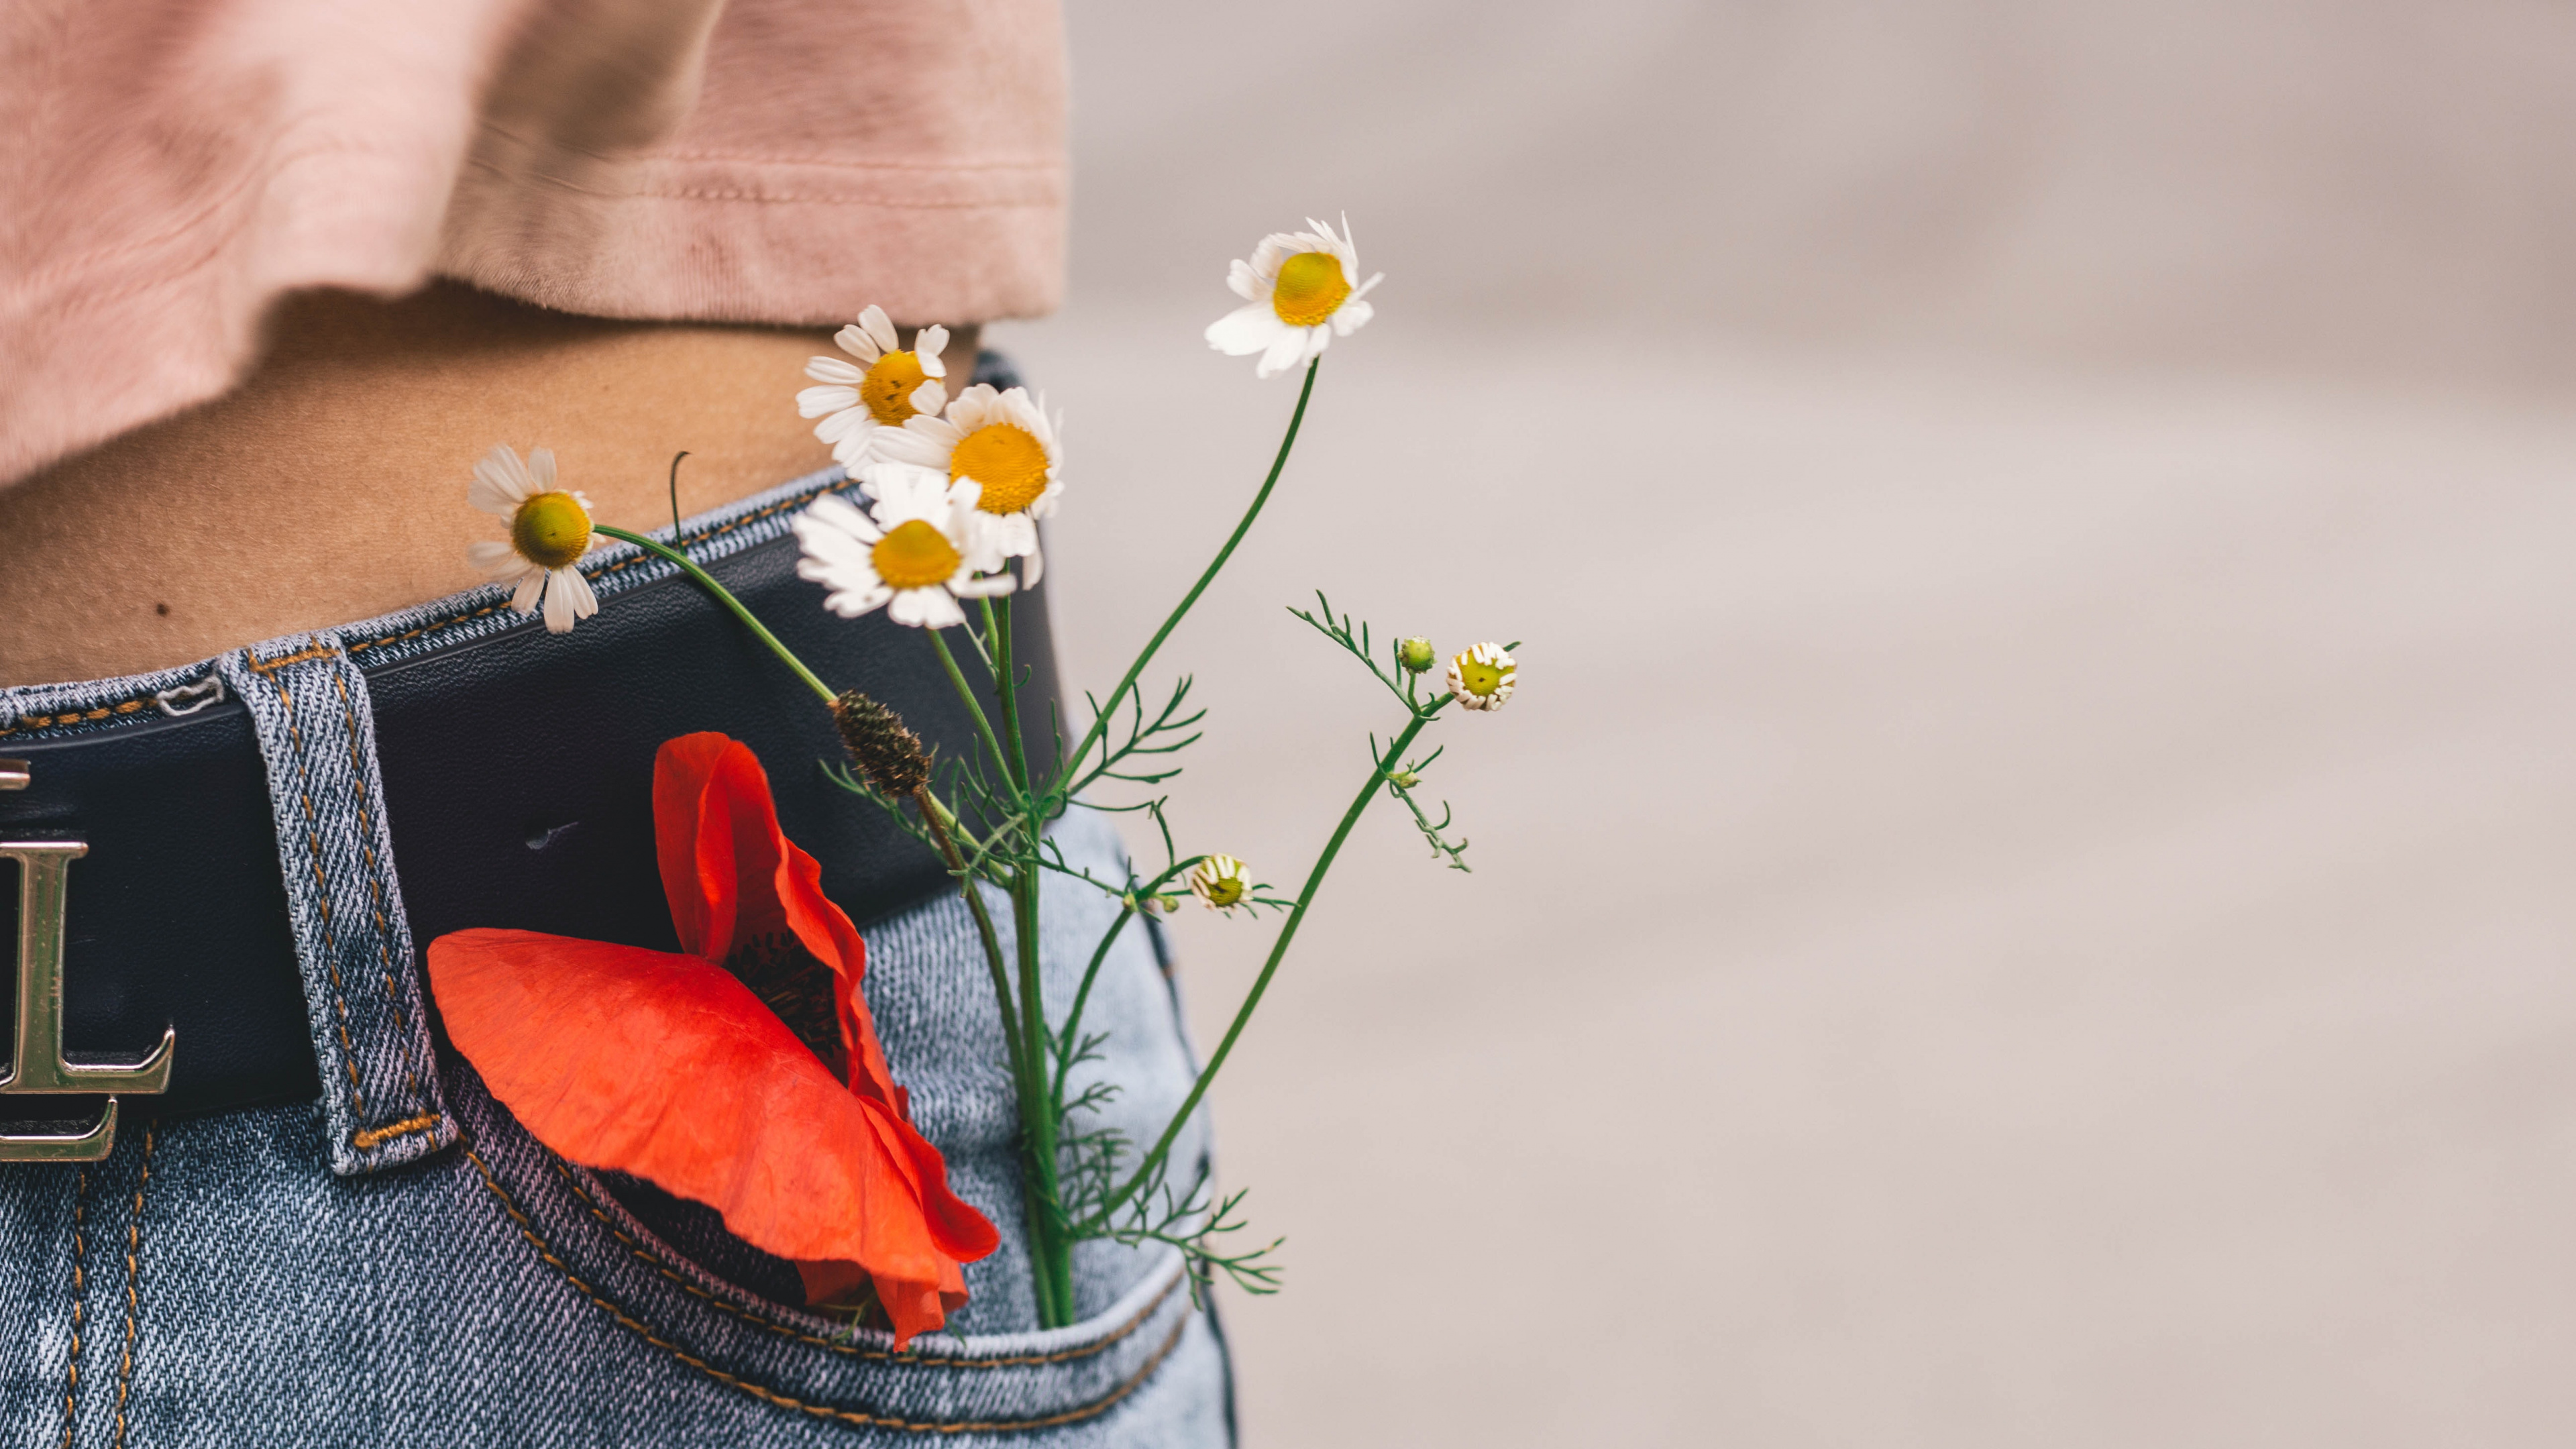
<point>1070,1037</point>
<point>965,691</point>
<point>1050,1248</point>
<point>942,825</point>
<point>725,597</point>
<point>1050,1251</point>
<point>1109,707</point>
<point>1278,950</point>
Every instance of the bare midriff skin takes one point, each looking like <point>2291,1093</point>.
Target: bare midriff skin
<point>330,486</point>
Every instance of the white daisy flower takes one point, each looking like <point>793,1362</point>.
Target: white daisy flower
<point>549,534</point>
<point>1220,880</point>
<point>920,553</point>
<point>888,388</point>
<point>1004,444</point>
<point>1483,677</point>
<point>1299,287</point>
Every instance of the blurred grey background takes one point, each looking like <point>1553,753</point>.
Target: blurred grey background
<point>2023,899</point>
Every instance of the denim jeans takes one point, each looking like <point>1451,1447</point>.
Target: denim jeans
<point>400,1263</point>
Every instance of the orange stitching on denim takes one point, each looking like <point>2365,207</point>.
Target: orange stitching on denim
<point>322,883</point>
<point>374,1137</point>
<point>143,701</point>
<point>767,1395</point>
<point>80,1291</point>
<point>133,1293</point>
<point>305,655</point>
<point>376,887</point>
<point>655,1262</point>
<point>68,717</point>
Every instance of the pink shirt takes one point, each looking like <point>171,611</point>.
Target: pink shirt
<point>173,165</point>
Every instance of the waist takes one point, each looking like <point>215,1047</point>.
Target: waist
<point>248,517</point>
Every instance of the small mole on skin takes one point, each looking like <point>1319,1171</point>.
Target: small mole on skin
<point>161,609</point>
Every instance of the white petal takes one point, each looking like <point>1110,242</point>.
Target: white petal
<point>930,397</point>
<point>880,328</point>
<point>500,482</point>
<point>842,424</point>
<point>1248,284</point>
<point>851,603</point>
<point>584,602</point>
<point>832,511</point>
<point>541,469</point>
<point>559,614</point>
<point>930,608</point>
<point>977,405</point>
<point>906,445</point>
<point>1032,563</point>
<point>531,584</point>
<point>1014,534</point>
<point>927,347</point>
<point>1284,352</point>
<point>991,586</point>
<point>855,341</point>
<point>814,402</point>
<point>1352,316</point>
<point>1245,330</point>
<point>833,369</point>
<point>494,559</point>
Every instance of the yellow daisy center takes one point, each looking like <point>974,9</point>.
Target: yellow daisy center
<point>915,555</point>
<point>1220,880</point>
<point>1009,463</point>
<point>1480,677</point>
<point>1311,289</point>
<point>551,530</point>
<point>889,386</point>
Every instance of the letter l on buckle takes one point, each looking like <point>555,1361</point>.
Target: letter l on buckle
<point>36,1064</point>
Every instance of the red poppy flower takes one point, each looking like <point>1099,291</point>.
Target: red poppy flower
<point>671,1068</point>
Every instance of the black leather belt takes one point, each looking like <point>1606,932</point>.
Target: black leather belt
<point>517,782</point>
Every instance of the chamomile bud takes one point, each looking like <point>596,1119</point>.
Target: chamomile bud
<point>1403,779</point>
<point>1483,677</point>
<point>1221,881</point>
<point>1415,655</point>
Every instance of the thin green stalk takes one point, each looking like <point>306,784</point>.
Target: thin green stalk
<point>997,622</point>
<point>1100,721</point>
<point>1278,950</point>
<point>1071,1035</point>
<point>1051,1254</point>
<point>941,822</point>
<point>965,691</point>
<point>725,597</point>
<point>1050,1248</point>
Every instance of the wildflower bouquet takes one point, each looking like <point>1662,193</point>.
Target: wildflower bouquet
<point>810,1152</point>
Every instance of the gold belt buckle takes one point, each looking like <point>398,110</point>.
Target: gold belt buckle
<point>36,1064</point>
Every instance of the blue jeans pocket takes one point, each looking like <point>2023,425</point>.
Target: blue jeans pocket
<point>1146,1370</point>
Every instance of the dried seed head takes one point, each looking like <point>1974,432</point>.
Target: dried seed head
<point>889,755</point>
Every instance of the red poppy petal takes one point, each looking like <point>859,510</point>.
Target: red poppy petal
<point>738,848</point>
<point>766,883</point>
<point>681,771</point>
<point>960,1231</point>
<point>913,1308</point>
<point>825,930</point>
<point>667,1067</point>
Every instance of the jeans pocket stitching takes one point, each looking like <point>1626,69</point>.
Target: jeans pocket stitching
<point>855,1417</point>
<point>661,1265</point>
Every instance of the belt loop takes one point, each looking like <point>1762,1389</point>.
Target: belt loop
<point>362,994</point>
